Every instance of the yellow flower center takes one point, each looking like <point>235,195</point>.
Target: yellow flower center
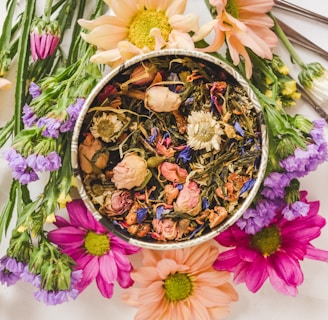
<point>232,8</point>
<point>141,25</point>
<point>105,128</point>
<point>97,244</point>
<point>267,241</point>
<point>177,286</point>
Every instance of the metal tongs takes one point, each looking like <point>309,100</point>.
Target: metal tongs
<point>293,8</point>
<point>299,39</point>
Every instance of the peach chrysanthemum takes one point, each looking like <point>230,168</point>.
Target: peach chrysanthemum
<point>5,84</point>
<point>242,24</point>
<point>139,26</point>
<point>180,284</point>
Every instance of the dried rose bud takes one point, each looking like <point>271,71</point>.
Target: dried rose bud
<point>162,99</point>
<point>173,172</point>
<point>130,172</point>
<point>189,199</point>
<point>165,229</point>
<point>44,38</point>
<point>117,203</point>
<point>143,75</point>
<point>89,155</point>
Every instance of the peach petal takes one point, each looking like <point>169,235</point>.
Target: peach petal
<point>184,23</point>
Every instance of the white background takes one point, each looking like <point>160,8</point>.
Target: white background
<point>17,302</point>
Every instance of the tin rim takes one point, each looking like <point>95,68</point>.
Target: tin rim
<point>230,220</point>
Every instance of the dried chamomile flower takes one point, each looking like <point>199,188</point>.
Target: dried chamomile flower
<point>204,131</point>
<point>106,127</point>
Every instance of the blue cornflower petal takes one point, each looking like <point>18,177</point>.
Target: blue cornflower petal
<point>141,214</point>
<point>239,129</point>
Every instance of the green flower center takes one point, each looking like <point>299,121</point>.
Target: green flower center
<point>177,286</point>
<point>97,244</point>
<point>106,128</point>
<point>267,241</point>
<point>232,8</point>
<point>141,25</point>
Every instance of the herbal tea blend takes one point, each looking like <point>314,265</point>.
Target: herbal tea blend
<point>170,148</point>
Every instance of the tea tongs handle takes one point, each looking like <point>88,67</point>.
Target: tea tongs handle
<point>281,4</point>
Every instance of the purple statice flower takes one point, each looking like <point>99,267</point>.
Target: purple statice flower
<point>295,210</point>
<point>255,219</point>
<point>41,163</point>
<point>185,155</point>
<point>10,270</point>
<point>73,112</point>
<point>34,90</point>
<point>303,161</point>
<point>50,126</point>
<point>29,277</point>
<point>19,167</point>
<point>52,298</point>
<point>29,118</point>
<point>53,161</point>
<point>275,184</point>
<point>25,177</point>
<point>15,160</point>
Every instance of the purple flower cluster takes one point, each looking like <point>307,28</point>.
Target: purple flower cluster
<point>52,298</point>
<point>303,161</point>
<point>51,126</point>
<point>254,219</point>
<point>73,111</point>
<point>25,169</point>
<point>274,186</point>
<point>12,270</point>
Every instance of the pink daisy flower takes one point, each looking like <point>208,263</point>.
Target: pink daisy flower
<point>180,284</point>
<point>274,251</point>
<point>101,255</point>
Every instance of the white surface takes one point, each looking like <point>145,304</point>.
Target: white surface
<point>17,302</point>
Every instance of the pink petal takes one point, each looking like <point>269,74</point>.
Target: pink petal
<point>67,237</point>
<point>33,46</point>
<point>316,254</point>
<point>107,268</point>
<point>124,279</point>
<point>257,274</point>
<point>106,289</point>
<point>227,260</point>
<point>90,272</point>
<point>81,217</point>
<point>280,285</point>
<point>286,268</point>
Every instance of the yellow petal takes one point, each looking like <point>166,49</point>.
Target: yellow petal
<point>51,218</point>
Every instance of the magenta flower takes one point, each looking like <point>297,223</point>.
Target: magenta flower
<point>101,255</point>
<point>273,252</point>
<point>44,38</point>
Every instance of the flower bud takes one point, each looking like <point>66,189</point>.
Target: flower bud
<point>44,38</point>
<point>130,172</point>
<point>162,99</point>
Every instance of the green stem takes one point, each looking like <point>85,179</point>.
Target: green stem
<point>6,131</point>
<point>283,38</point>
<point>47,10</point>
<point>23,62</point>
